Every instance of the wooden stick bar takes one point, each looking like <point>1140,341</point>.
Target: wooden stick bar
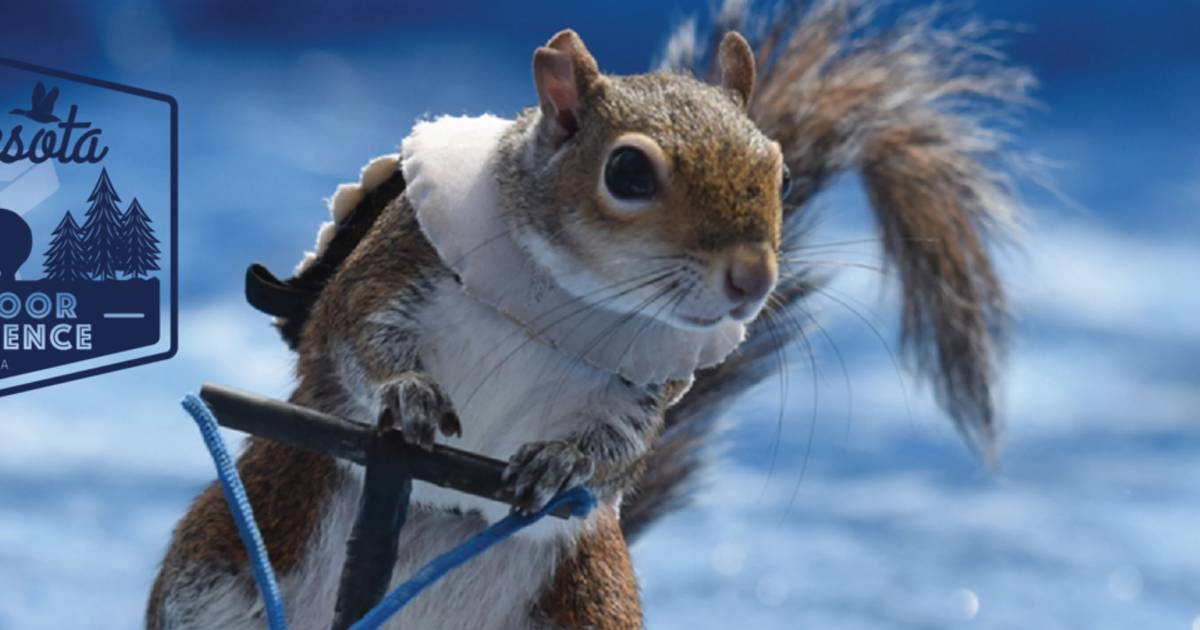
<point>373,547</point>
<point>323,433</point>
<point>289,424</point>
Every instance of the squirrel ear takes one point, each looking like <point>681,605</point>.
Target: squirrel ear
<point>737,66</point>
<point>563,71</point>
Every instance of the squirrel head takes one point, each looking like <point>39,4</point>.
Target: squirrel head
<point>653,193</point>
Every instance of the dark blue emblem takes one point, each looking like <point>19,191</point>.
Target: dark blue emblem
<point>87,227</point>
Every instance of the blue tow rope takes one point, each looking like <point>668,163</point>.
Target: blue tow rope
<point>579,499</point>
<point>239,506</point>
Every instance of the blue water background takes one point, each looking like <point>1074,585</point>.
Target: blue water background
<point>1090,520</point>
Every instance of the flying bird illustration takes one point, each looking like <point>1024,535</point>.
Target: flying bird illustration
<point>43,105</point>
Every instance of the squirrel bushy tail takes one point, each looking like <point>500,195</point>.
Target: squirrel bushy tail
<point>917,109</point>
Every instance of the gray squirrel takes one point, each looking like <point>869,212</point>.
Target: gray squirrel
<point>581,291</point>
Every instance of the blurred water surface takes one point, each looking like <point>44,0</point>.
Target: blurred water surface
<point>882,520</point>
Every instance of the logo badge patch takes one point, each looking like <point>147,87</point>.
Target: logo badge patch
<point>88,227</point>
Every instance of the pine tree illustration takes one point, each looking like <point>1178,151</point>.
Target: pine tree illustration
<point>102,230</point>
<point>66,258</point>
<point>139,246</point>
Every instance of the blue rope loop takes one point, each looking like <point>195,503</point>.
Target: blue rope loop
<point>239,507</point>
<point>579,500</point>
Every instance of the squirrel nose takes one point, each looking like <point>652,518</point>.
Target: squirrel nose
<point>749,277</point>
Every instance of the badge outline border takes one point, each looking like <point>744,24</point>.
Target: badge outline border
<point>173,105</point>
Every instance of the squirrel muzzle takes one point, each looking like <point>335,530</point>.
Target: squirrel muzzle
<point>750,273</point>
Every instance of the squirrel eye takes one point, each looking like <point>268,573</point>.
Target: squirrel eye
<point>785,187</point>
<point>629,175</point>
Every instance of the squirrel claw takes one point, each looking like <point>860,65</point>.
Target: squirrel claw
<point>417,407</point>
<point>540,470</point>
<point>450,426</point>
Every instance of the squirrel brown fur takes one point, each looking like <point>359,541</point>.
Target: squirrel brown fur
<point>384,338</point>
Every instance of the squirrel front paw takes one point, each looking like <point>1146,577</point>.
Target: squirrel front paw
<point>417,407</point>
<point>540,470</point>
